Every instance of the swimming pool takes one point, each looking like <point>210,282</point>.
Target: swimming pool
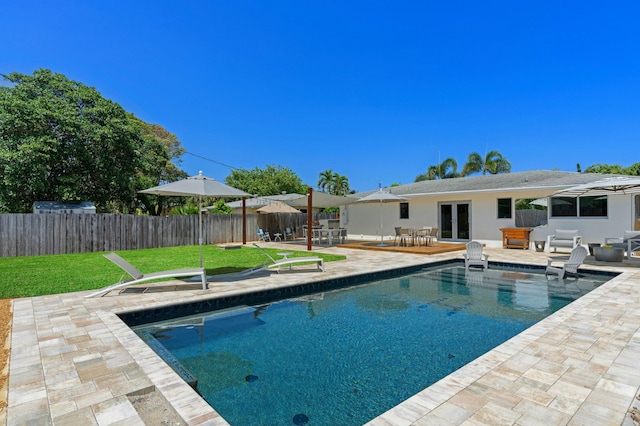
<point>345,356</point>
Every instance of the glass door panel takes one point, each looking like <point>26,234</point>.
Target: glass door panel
<point>455,221</point>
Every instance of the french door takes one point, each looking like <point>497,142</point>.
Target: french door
<point>455,221</point>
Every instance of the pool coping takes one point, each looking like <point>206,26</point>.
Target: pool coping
<point>73,359</point>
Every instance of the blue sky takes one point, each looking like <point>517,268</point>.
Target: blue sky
<point>375,90</point>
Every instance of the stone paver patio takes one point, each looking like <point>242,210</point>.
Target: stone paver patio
<point>74,362</point>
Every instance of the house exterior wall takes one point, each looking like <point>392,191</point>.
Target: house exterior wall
<point>363,220</point>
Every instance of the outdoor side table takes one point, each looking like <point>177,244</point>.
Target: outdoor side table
<point>539,245</point>
<point>608,254</point>
<point>277,237</point>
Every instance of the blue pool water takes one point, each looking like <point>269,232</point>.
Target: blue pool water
<point>343,357</point>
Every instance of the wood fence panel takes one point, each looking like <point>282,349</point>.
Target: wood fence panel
<point>31,234</point>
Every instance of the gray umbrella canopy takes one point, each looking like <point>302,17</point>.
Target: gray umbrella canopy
<point>198,186</point>
<point>620,185</point>
<point>381,197</point>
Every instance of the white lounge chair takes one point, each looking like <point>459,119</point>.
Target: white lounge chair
<point>277,263</point>
<point>578,255</point>
<point>630,242</point>
<point>139,277</point>
<point>474,256</point>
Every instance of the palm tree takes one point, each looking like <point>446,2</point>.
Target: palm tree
<point>340,185</point>
<point>325,182</point>
<point>493,163</point>
<point>445,170</point>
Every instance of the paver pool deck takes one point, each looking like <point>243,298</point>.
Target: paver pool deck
<point>73,361</point>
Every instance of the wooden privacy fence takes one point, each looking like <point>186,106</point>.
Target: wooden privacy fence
<point>41,234</point>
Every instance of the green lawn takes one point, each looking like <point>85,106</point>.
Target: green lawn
<point>39,275</point>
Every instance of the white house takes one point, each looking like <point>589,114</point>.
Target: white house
<point>476,208</point>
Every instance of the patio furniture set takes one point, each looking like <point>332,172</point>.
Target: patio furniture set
<point>319,234</point>
<point>613,249</point>
<point>415,236</point>
<point>328,235</point>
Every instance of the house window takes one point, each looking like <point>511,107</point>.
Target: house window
<point>504,208</point>
<point>593,206</point>
<point>564,207</point>
<point>404,210</point>
<point>585,206</point>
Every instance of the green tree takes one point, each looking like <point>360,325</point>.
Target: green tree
<point>334,183</point>
<point>325,181</point>
<point>493,163</point>
<point>445,170</point>
<point>220,207</point>
<point>62,141</point>
<point>341,185</point>
<point>268,181</point>
<point>616,169</point>
<point>158,163</point>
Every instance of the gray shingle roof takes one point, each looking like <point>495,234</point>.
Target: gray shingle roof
<point>517,181</point>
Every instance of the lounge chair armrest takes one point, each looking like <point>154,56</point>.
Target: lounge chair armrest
<point>612,240</point>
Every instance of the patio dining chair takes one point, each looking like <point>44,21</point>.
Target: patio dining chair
<point>433,235</point>
<point>264,236</point>
<point>398,235</point>
<point>289,234</point>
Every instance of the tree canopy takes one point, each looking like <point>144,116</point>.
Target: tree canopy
<point>268,181</point>
<point>493,163</point>
<point>633,170</point>
<point>334,183</point>
<point>60,140</point>
<point>445,170</point>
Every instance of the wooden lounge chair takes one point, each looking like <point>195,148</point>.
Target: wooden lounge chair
<point>474,256</point>
<point>578,255</point>
<point>277,263</point>
<point>138,277</point>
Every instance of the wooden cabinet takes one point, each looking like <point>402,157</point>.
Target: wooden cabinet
<point>516,237</point>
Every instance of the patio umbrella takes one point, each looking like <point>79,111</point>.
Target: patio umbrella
<point>199,186</point>
<point>277,207</point>
<point>381,197</point>
<point>619,185</point>
<point>539,202</point>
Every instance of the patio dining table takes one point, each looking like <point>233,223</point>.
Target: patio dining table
<point>328,233</point>
<point>416,235</point>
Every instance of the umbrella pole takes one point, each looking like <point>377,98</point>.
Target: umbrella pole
<point>382,244</point>
<point>200,227</point>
